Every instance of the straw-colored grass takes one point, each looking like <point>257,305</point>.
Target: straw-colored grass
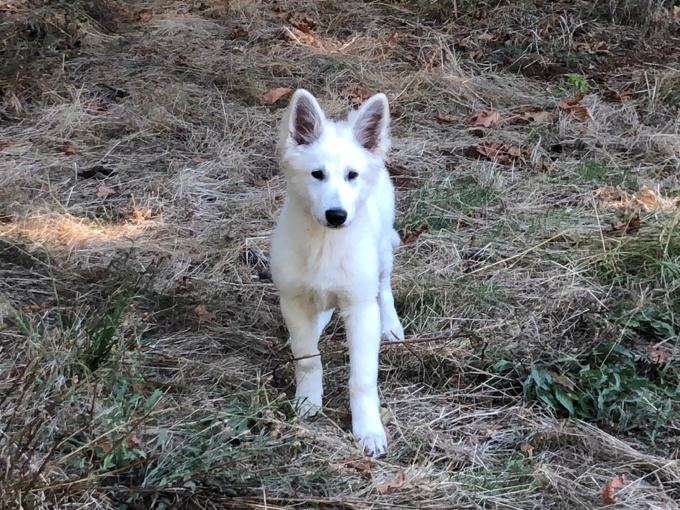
<point>142,351</point>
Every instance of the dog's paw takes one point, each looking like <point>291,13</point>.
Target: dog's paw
<point>392,331</point>
<point>373,441</point>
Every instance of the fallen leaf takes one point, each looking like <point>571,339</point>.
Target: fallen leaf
<point>203,314</point>
<point>412,236</point>
<point>106,447</point>
<point>564,381</point>
<point>238,33</point>
<point>538,117</point>
<point>658,355</point>
<point>528,449</point>
<point>546,166</point>
<point>144,15</point>
<point>648,199</point>
<point>356,93</point>
<point>676,12</point>
<point>274,95</point>
<point>68,149</point>
<point>363,466</point>
<point>398,483</point>
<point>105,191</point>
<point>97,108</point>
<point>609,489</point>
<point>573,107</point>
<point>11,5</point>
<point>134,442</point>
<point>446,117</point>
<point>486,118</point>
<point>616,95</point>
<point>461,43</point>
<point>476,54</point>
<point>303,22</point>
<point>633,225</point>
<point>501,153</point>
<point>487,37</point>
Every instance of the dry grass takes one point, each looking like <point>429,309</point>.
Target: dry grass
<point>142,358</point>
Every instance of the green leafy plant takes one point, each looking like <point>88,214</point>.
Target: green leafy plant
<point>577,83</point>
<point>609,386</point>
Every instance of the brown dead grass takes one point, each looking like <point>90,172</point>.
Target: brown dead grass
<point>170,109</point>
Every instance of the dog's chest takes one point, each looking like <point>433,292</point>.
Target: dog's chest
<point>338,265</point>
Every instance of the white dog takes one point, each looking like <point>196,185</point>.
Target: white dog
<point>332,247</point>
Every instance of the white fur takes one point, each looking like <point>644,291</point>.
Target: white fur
<point>318,268</point>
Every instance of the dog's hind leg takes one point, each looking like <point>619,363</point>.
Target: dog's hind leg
<point>305,325</point>
<point>363,335</point>
<point>391,328</point>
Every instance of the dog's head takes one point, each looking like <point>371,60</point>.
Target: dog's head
<point>332,167</point>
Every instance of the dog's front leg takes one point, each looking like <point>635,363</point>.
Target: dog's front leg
<point>305,325</point>
<point>363,336</point>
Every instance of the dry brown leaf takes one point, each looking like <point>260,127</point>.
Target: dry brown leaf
<point>528,449</point>
<point>356,93</point>
<point>648,199</point>
<point>67,149</point>
<point>676,12</point>
<point>203,314</point>
<point>476,54</point>
<point>487,37</point>
<point>609,489</point>
<point>134,442</point>
<point>564,381</point>
<point>573,107</point>
<point>446,117</point>
<point>303,22</point>
<point>144,15</point>
<point>106,446</point>
<point>538,117</point>
<point>238,33</point>
<point>274,95</point>
<point>501,153</point>
<point>11,5</point>
<point>105,191</point>
<point>616,95</point>
<point>461,43</point>
<point>97,108</point>
<point>398,483</point>
<point>633,225</point>
<point>486,118</point>
<point>658,355</point>
<point>364,466</point>
<point>413,235</point>
<point>546,166</point>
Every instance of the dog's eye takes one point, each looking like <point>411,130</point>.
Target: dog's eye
<point>351,175</point>
<point>318,174</point>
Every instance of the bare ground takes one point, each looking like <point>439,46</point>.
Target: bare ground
<point>143,353</point>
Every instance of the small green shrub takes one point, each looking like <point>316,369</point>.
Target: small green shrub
<point>609,386</point>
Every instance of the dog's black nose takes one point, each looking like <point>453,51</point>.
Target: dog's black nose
<point>336,217</point>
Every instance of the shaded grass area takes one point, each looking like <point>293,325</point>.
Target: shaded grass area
<point>143,359</point>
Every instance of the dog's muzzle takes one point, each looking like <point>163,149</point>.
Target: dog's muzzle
<point>336,217</point>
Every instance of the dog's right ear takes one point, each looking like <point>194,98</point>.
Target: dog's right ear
<point>304,122</point>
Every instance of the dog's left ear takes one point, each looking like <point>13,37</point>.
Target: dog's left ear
<point>370,125</point>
